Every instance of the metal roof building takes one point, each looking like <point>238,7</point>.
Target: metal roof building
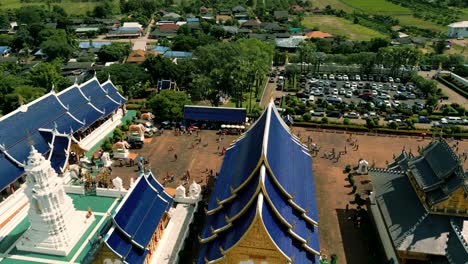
<point>418,207</point>
<point>264,201</point>
<point>219,114</point>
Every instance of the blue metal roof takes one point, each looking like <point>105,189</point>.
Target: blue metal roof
<point>221,114</point>
<point>94,44</point>
<point>141,213</point>
<point>79,106</point>
<point>120,245</point>
<point>158,186</point>
<point>161,49</point>
<point>99,97</point>
<point>178,54</point>
<point>268,169</point>
<point>4,49</point>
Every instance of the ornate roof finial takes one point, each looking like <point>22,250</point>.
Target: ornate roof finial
<point>108,77</point>
<point>52,90</point>
<point>55,126</point>
<point>30,140</point>
<point>76,80</point>
<point>95,72</point>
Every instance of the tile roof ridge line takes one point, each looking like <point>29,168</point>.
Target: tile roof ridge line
<point>67,152</point>
<point>150,174</point>
<point>259,212</point>
<point>94,107</point>
<point>413,228</point>
<point>130,190</point>
<point>67,89</point>
<point>110,232</point>
<point>266,132</point>
<point>11,158</point>
<point>51,145</point>
<point>26,105</point>
<point>76,119</point>
<point>457,233</point>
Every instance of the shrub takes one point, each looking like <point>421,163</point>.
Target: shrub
<point>324,120</point>
<point>107,145</point>
<point>347,169</point>
<point>307,117</point>
<point>346,121</point>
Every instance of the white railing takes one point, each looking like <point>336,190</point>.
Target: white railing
<point>99,133</point>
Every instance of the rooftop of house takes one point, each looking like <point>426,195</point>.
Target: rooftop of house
<point>318,34</point>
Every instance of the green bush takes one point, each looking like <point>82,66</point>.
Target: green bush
<point>133,106</point>
<point>307,117</point>
<point>324,120</point>
<point>346,122</point>
<point>107,145</point>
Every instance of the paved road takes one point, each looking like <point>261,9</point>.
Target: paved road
<point>453,97</point>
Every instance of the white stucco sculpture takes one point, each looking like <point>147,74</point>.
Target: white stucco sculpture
<point>195,190</point>
<point>194,194</point>
<point>56,226</point>
<point>106,160</point>
<point>117,182</point>
<point>363,167</point>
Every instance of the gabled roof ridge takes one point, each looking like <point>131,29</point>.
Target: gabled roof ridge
<point>11,158</point>
<point>67,89</point>
<point>19,109</point>
<point>411,230</point>
<point>457,232</point>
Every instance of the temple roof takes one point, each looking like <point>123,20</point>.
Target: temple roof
<point>266,175</point>
<point>140,213</point>
<point>411,227</point>
<point>436,165</point>
<point>65,113</point>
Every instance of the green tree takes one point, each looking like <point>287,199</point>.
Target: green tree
<point>45,75</point>
<point>307,117</point>
<point>131,77</point>
<point>103,10</point>
<point>114,52</point>
<point>201,86</point>
<point>370,123</point>
<point>160,68</point>
<point>58,46</point>
<point>169,104</point>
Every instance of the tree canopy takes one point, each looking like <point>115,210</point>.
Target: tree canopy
<point>169,104</point>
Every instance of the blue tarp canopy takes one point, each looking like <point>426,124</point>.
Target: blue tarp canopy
<point>220,114</point>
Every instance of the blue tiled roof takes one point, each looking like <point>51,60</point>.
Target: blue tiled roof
<point>59,155</point>
<point>266,168</point>
<point>64,113</point>
<point>120,245</point>
<point>113,92</point>
<point>99,97</point>
<point>79,106</point>
<point>141,213</point>
<point>156,185</point>
<point>221,114</point>
<point>9,171</point>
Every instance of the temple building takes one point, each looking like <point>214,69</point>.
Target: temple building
<point>263,207</point>
<point>74,119</point>
<point>419,205</point>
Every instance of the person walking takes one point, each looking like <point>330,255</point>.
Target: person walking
<point>175,157</point>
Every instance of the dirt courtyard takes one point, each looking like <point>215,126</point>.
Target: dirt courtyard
<point>337,234</point>
<point>191,156</point>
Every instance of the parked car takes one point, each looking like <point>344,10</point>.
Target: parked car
<point>317,112</point>
<point>390,79</point>
<point>358,78</point>
<point>423,119</point>
<point>336,114</point>
<point>335,92</point>
<point>331,77</point>
<point>352,115</point>
<point>349,94</point>
<point>345,78</point>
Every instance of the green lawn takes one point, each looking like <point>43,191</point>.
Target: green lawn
<point>414,21</point>
<point>70,6</point>
<point>378,7</point>
<point>335,4</point>
<point>340,26</point>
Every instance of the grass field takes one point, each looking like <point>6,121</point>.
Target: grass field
<point>71,7</point>
<point>340,26</point>
<point>382,7</point>
<point>378,7</point>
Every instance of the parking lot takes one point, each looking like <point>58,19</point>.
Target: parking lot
<point>358,97</point>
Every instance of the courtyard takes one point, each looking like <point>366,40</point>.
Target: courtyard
<point>338,234</point>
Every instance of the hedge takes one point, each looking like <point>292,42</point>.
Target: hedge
<point>453,87</point>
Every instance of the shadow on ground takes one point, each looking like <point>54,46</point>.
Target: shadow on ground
<point>361,244</point>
